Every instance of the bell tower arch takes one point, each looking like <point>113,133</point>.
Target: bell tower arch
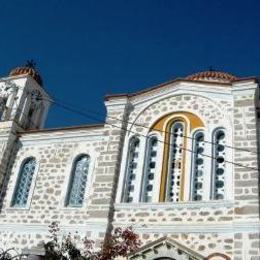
<point>24,104</point>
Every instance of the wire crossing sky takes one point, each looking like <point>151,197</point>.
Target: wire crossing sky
<point>86,49</point>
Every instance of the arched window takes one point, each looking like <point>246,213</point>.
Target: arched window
<point>197,171</point>
<point>219,154</point>
<point>176,162</point>
<point>150,169</point>
<point>131,169</point>
<point>24,182</point>
<point>78,181</point>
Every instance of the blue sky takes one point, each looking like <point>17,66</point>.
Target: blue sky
<point>86,49</point>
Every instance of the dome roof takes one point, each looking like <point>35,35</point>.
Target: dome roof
<point>27,70</point>
<point>218,76</point>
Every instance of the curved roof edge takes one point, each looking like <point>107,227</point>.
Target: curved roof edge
<point>146,90</point>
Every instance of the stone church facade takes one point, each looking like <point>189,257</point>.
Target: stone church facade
<point>178,162</point>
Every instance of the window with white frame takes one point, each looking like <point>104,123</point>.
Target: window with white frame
<point>175,163</point>
<point>219,168</point>
<point>78,181</point>
<point>148,182</point>
<point>24,183</point>
<point>131,170</point>
<point>197,168</point>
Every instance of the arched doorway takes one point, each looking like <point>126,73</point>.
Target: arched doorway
<point>164,258</point>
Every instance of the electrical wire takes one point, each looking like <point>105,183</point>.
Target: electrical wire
<point>138,134</point>
<point>158,130</point>
<point>139,125</point>
<point>125,129</point>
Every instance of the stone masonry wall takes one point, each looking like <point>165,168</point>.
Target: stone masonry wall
<point>108,164</point>
<point>246,193</point>
<point>237,113</point>
<point>155,221</point>
<point>27,227</point>
<point>160,219</point>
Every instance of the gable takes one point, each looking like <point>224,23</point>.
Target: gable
<point>165,249</point>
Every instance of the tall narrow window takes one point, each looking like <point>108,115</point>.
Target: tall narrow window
<point>197,166</point>
<point>2,108</point>
<point>150,170</point>
<point>176,161</point>
<point>131,170</point>
<point>78,181</point>
<point>24,182</point>
<point>219,153</point>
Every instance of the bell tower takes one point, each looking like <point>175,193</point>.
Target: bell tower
<point>24,105</point>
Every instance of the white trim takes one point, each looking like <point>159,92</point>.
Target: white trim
<point>142,228</point>
<point>174,205</point>
<point>41,228</point>
<point>193,228</point>
<point>180,88</point>
<point>61,137</point>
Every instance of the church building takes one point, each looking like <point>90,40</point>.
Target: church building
<point>178,162</point>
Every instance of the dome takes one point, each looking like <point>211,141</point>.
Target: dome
<point>28,69</point>
<point>217,76</point>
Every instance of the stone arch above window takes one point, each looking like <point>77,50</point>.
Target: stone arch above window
<point>164,258</point>
<point>78,181</point>
<point>24,182</point>
<point>131,169</point>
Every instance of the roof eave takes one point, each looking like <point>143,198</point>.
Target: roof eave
<point>69,128</point>
<point>129,95</point>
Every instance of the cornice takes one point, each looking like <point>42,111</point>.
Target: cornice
<point>76,136</point>
<point>231,227</point>
<point>41,228</point>
<point>179,205</point>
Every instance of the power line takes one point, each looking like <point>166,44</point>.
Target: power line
<point>124,121</point>
<point>127,130</point>
<point>159,130</point>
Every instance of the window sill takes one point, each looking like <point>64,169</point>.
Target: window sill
<point>13,209</point>
<point>73,208</point>
<point>170,205</point>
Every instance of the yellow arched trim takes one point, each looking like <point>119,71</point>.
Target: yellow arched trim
<point>163,125</point>
<point>194,120</point>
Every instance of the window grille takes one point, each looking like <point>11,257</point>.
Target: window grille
<point>197,166</point>
<point>175,162</point>
<point>131,170</point>
<point>219,153</point>
<point>24,183</point>
<point>79,177</point>
<point>150,170</point>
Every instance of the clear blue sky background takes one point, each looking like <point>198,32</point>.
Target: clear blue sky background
<point>88,48</point>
